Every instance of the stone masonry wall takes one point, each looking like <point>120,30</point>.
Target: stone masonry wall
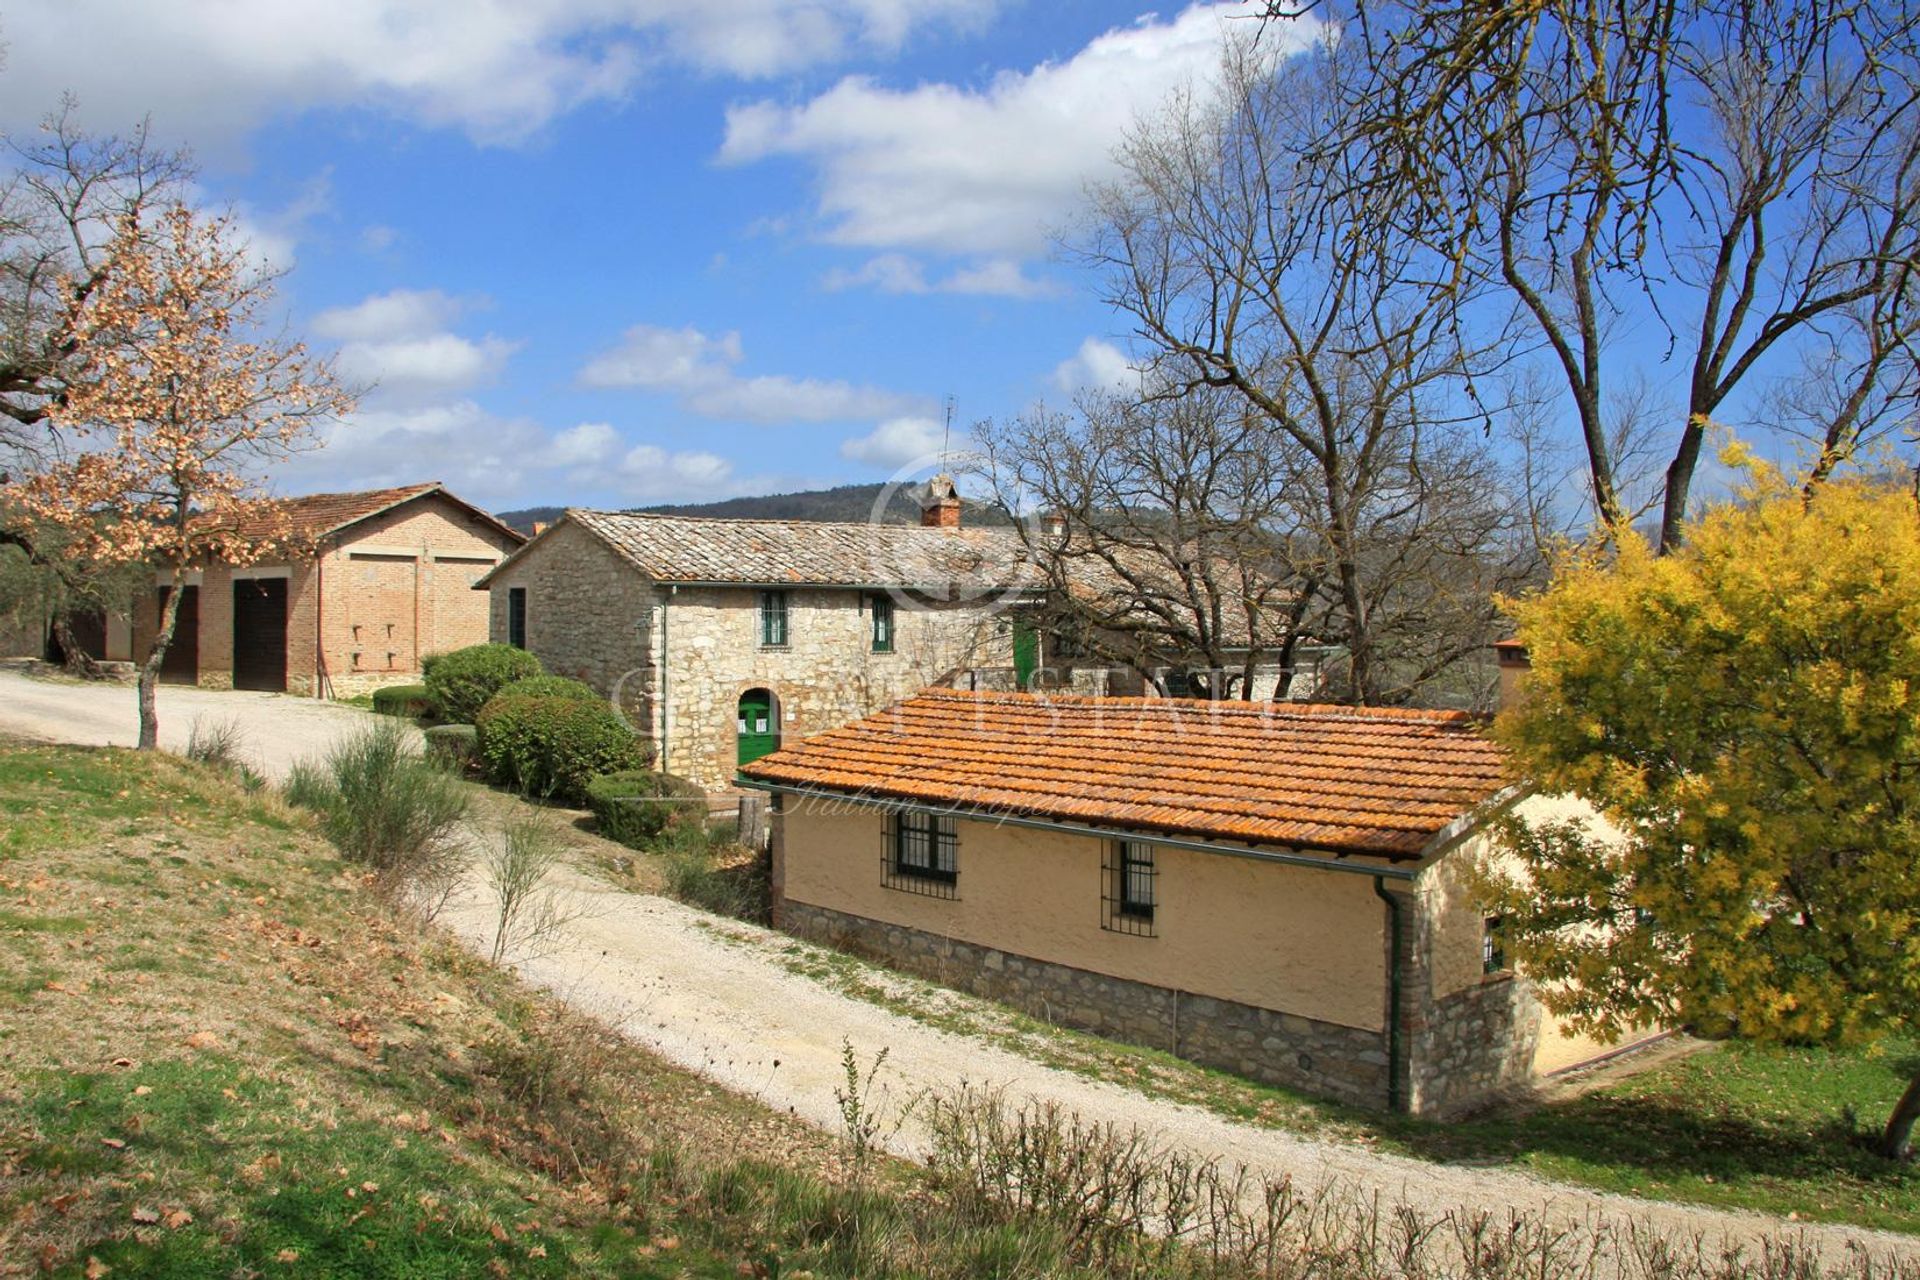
<point>1342,1063</point>
<point>826,676</point>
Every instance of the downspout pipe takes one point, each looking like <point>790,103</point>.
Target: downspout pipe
<point>666,705</point>
<point>1395,1050</point>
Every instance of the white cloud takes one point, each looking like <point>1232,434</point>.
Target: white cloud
<point>898,443</point>
<point>384,317</point>
<point>584,445</point>
<point>990,170</point>
<point>650,470</point>
<point>398,343</point>
<point>208,71</point>
<point>436,364</point>
<point>898,273</point>
<point>699,371</point>
<point>1096,366</point>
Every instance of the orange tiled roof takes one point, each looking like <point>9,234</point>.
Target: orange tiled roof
<point>1345,779</point>
<point>312,517</point>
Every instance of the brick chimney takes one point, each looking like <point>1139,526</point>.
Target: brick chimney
<point>940,503</point>
<point>1513,662</point>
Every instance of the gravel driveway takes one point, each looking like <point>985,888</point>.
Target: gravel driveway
<point>276,729</point>
<point>714,996</point>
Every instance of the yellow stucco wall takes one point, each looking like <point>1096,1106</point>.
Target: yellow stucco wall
<point>1297,940</point>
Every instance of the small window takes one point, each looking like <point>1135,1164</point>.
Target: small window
<point>882,624</point>
<point>517,617</point>
<point>773,619</point>
<point>922,853</point>
<point>1493,951</point>
<point>1130,893</point>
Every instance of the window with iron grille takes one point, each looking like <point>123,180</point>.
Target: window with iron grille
<point>517,617</point>
<point>1130,892</point>
<point>882,624</point>
<point>1493,952</point>
<point>773,619</point>
<point>922,853</point>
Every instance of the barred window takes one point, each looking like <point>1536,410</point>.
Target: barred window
<point>882,624</point>
<point>1493,951</point>
<point>1130,893</point>
<point>517,617</point>
<point>922,853</point>
<point>773,619</point>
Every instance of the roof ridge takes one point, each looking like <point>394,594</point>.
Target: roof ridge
<point>1214,706</point>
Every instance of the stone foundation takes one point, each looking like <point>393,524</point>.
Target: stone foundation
<point>1322,1058</point>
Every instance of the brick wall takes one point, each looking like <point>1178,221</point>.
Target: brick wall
<point>397,587</point>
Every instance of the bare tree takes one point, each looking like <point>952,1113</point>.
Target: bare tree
<point>1165,535</point>
<point>1741,179</point>
<point>1224,242</point>
<point>64,197</point>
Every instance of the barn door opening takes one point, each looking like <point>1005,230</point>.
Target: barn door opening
<point>260,634</point>
<point>757,725</point>
<point>181,665</point>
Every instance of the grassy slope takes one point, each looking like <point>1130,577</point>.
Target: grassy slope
<point>1785,1132</point>
<point>218,1055</point>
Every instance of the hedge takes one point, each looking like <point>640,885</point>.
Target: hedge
<point>403,700</point>
<point>551,747</point>
<point>634,806</point>
<point>461,682</point>
<point>457,744</point>
<point>549,687</point>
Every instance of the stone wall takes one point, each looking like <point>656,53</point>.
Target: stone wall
<point>1322,1058</point>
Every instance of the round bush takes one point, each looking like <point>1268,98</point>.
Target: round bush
<point>549,687</point>
<point>461,682</point>
<point>634,806</point>
<point>551,746</point>
<point>456,744</point>
<point>403,700</point>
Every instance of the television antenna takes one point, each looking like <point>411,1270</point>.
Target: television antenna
<point>946,435</point>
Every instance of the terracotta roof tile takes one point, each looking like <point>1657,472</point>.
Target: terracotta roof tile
<point>819,553</point>
<point>1350,780</point>
<point>305,520</point>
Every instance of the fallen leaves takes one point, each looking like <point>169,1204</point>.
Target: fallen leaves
<point>203,1040</point>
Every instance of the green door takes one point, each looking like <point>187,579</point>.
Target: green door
<point>1026,653</point>
<point>758,731</point>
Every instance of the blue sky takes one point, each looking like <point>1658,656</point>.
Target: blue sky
<point>604,252</point>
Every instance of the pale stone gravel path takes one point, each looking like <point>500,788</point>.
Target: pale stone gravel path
<point>716,997</point>
<point>728,1008</point>
<point>276,729</point>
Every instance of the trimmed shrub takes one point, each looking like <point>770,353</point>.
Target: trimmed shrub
<point>463,681</point>
<point>409,700</point>
<point>455,745</point>
<point>634,806</point>
<point>551,747</point>
<point>550,687</point>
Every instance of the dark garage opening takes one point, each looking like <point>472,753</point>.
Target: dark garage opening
<point>182,662</point>
<point>260,634</point>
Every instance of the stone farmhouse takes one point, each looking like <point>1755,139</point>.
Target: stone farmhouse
<point>1274,889</point>
<point>377,580</point>
<point>721,639</point>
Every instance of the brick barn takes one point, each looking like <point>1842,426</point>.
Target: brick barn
<point>382,578</point>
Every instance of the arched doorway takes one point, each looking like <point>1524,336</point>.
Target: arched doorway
<point>758,725</point>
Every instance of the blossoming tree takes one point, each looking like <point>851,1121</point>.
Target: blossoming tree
<point>178,405</point>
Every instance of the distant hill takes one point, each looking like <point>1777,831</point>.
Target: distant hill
<point>847,502</point>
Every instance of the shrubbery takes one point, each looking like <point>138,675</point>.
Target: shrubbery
<point>552,747</point>
<point>635,805</point>
<point>408,700</point>
<point>463,681</point>
<point>388,810</point>
<point>550,687</point>
<point>456,745</point>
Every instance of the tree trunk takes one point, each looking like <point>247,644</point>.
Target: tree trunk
<point>150,669</point>
<point>1895,1142</point>
<point>73,658</point>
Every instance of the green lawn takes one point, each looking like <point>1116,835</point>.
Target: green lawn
<point>1780,1131</point>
